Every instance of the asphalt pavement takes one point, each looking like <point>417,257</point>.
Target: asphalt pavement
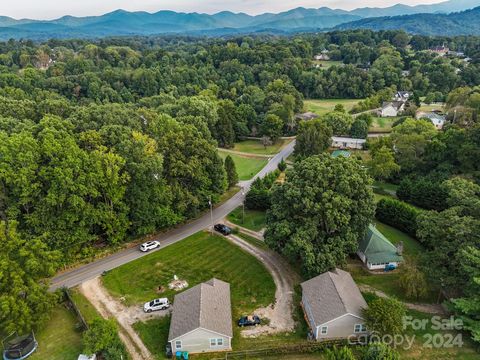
<point>82,273</point>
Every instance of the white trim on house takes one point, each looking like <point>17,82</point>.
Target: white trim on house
<point>213,332</point>
<point>339,317</point>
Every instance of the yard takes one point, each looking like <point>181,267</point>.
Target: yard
<point>60,338</point>
<point>198,258</point>
<point>247,166</point>
<point>256,147</point>
<point>321,107</point>
<point>382,125</point>
<point>254,219</point>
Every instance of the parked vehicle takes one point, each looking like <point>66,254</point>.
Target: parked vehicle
<point>223,229</point>
<point>252,320</point>
<point>389,267</point>
<point>155,305</point>
<point>149,245</point>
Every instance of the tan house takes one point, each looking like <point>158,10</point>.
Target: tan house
<point>202,319</point>
<point>333,306</point>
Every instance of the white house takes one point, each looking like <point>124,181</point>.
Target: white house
<point>376,252</point>
<point>436,119</point>
<point>391,109</point>
<point>347,143</point>
<point>333,306</point>
<point>202,319</point>
<point>401,96</point>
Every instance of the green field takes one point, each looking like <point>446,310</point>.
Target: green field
<point>382,125</point>
<point>431,107</point>
<point>256,147</point>
<point>254,219</point>
<point>247,167</point>
<point>60,338</point>
<point>198,258</point>
<point>322,107</point>
<point>154,334</point>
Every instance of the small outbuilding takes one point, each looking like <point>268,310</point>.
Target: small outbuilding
<point>202,319</point>
<point>377,252</point>
<point>333,306</point>
<point>347,143</point>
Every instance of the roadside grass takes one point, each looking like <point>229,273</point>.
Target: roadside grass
<point>256,147</point>
<point>86,308</point>
<point>252,241</point>
<point>60,338</point>
<point>254,219</point>
<point>154,334</point>
<point>382,125</point>
<point>247,167</point>
<point>321,107</point>
<point>196,259</point>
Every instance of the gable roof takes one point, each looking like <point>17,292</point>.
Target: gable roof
<point>377,248</point>
<point>331,295</point>
<point>206,306</point>
<point>394,104</point>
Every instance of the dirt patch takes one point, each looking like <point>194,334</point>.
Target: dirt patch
<point>109,307</point>
<point>280,313</point>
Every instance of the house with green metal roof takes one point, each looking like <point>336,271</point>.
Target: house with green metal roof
<point>377,252</point>
<point>338,153</point>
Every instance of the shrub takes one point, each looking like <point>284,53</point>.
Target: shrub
<point>384,316</point>
<point>423,192</point>
<point>398,214</point>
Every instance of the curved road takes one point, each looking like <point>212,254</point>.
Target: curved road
<point>80,274</point>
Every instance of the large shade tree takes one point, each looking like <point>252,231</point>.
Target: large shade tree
<point>320,212</point>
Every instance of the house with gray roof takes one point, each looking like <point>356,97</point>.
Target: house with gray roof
<point>333,306</point>
<point>202,319</point>
<point>377,252</point>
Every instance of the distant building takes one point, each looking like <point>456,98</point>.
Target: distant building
<point>202,319</point>
<point>322,56</point>
<point>391,109</point>
<point>306,116</point>
<point>347,143</point>
<point>440,50</point>
<point>401,96</point>
<point>436,119</point>
<point>377,252</point>
<point>333,306</point>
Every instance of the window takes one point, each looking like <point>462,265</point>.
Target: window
<point>360,328</point>
<point>216,342</point>
<point>324,330</point>
<point>178,344</point>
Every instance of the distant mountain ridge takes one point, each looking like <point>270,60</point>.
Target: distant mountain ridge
<point>121,23</point>
<point>464,23</point>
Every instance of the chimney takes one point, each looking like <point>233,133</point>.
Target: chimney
<point>400,248</point>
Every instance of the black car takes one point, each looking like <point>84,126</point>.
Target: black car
<point>223,229</point>
<point>253,320</point>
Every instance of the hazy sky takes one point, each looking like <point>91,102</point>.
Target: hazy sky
<point>49,9</point>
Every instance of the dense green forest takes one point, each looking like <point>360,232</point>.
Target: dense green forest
<point>104,141</point>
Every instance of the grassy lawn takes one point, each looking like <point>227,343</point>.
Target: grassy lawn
<point>86,308</point>
<point>198,258</point>
<point>322,107</point>
<point>382,125</point>
<point>59,338</point>
<point>254,219</point>
<point>383,187</point>
<point>247,167</point>
<point>431,107</point>
<point>154,334</point>
<point>255,242</point>
<point>256,147</point>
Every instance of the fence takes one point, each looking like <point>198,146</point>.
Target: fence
<point>297,348</point>
<point>73,305</point>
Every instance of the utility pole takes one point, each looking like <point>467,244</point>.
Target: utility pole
<point>243,204</point>
<point>211,212</point>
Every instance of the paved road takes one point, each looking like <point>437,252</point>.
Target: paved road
<point>78,275</point>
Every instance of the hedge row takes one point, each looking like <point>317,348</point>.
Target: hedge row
<point>398,214</point>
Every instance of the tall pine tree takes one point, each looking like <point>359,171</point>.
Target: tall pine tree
<point>231,170</point>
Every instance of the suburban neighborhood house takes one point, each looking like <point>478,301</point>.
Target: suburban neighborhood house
<point>333,306</point>
<point>202,319</point>
<point>436,119</point>
<point>377,253</point>
<point>347,143</point>
<point>392,108</point>
<point>403,96</point>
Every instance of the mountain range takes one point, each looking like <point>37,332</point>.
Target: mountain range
<point>122,23</point>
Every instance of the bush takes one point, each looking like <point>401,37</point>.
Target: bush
<point>384,316</point>
<point>102,337</point>
<point>423,192</point>
<point>379,351</point>
<point>413,282</point>
<point>258,198</point>
<point>398,214</point>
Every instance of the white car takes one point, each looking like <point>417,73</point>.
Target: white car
<point>157,304</point>
<point>149,245</point>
